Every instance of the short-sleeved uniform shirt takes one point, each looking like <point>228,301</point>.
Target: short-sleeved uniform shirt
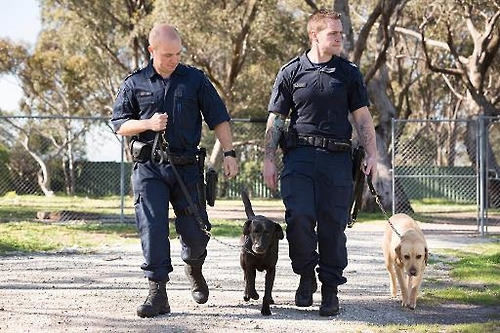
<point>319,97</point>
<point>187,96</point>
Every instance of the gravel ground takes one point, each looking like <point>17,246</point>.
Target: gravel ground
<point>99,292</point>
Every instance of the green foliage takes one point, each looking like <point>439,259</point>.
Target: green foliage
<point>239,45</point>
<point>479,266</point>
<point>14,207</point>
<point>34,237</point>
<point>225,228</point>
<point>486,296</point>
<point>249,172</point>
<point>4,161</point>
<point>477,270</point>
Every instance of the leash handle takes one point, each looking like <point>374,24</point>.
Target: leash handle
<point>358,156</point>
<point>371,187</point>
<point>155,150</point>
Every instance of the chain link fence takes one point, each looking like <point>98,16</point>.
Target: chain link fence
<point>75,168</point>
<point>447,163</point>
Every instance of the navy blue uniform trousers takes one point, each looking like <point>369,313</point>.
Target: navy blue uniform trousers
<point>155,185</point>
<point>316,186</point>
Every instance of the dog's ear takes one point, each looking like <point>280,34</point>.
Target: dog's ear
<point>246,227</point>
<point>279,232</point>
<point>399,258</point>
<point>426,256</point>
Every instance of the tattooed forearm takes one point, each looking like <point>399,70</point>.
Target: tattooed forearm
<point>367,135</point>
<point>274,130</point>
<point>366,131</point>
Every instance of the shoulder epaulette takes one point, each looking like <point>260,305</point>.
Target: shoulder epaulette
<point>348,61</point>
<point>137,70</point>
<point>294,60</point>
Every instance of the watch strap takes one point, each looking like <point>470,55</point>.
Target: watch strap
<point>231,153</point>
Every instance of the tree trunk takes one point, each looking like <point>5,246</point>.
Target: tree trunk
<point>43,174</point>
<point>377,89</point>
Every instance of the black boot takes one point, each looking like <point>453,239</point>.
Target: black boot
<point>199,288</point>
<point>329,301</point>
<point>157,301</point>
<point>307,287</point>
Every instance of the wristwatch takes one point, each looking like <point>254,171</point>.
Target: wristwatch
<point>231,153</point>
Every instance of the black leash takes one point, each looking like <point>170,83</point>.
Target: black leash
<point>358,155</point>
<point>159,154</point>
<point>377,200</point>
<point>240,247</point>
<point>163,150</point>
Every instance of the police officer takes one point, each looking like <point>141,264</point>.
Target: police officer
<point>171,98</point>
<point>317,91</point>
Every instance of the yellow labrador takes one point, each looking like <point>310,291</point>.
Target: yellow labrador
<point>405,257</point>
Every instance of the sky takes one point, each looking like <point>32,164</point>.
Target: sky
<point>19,21</point>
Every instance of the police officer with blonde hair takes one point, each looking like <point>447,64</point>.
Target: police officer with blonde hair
<point>317,91</point>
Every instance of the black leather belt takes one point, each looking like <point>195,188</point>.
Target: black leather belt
<point>141,152</point>
<point>182,160</point>
<point>325,143</point>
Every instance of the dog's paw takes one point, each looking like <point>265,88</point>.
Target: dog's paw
<point>411,306</point>
<point>265,311</point>
<point>254,295</point>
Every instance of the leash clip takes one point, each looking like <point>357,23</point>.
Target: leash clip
<point>377,200</point>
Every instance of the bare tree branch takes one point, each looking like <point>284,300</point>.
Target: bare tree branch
<point>418,36</point>
<point>240,45</point>
<point>428,59</point>
<point>360,45</point>
<point>312,4</point>
<point>452,89</point>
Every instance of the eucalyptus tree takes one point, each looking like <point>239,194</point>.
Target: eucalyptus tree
<point>425,59</point>
<point>84,49</point>
<point>467,54</point>
<point>239,45</point>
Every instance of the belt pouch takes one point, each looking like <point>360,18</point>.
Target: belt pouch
<point>141,151</point>
<point>211,187</point>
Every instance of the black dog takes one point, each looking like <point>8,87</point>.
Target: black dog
<point>259,251</point>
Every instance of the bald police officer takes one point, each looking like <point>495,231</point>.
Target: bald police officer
<point>172,97</point>
<point>317,91</point>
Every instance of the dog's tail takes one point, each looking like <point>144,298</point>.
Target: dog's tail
<point>248,205</point>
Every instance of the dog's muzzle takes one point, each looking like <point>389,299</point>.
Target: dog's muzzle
<point>257,249</point>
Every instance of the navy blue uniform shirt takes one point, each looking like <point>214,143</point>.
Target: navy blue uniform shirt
<point>318,98</point>
<point>187,97</point>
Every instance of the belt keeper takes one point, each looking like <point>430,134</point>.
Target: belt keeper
<point>325,143</point>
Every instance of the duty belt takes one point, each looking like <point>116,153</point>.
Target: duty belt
<point>325,143</point>
<point>183,160</point>
<point>141,152</point>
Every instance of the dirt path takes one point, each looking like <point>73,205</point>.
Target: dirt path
<point>99,292</point>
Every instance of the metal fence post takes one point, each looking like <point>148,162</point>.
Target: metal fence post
<point>482,174</point>
<point>393,137</point>
<point>122,180</point>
